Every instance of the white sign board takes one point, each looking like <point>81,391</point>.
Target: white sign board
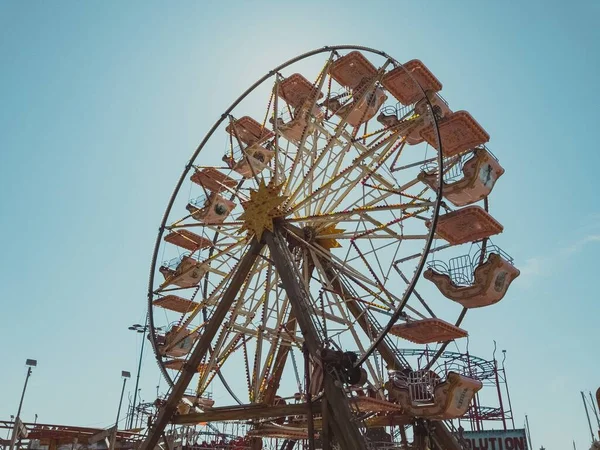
<point>495,440</point>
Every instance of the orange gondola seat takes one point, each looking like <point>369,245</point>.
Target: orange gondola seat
<point>211,209</point>
<point>474,282</point>
<point>301,97</point>
<point>475,181</point>
<point>410,122</point>
<point>213,180</point>
<point>449,399</point>
<point>176,343</point>
<point>252,155</point>
<point>356,73</point>
<point>183,271</point>
<point>458,131</point>
<point>408,82</point>
<point>468,224</point>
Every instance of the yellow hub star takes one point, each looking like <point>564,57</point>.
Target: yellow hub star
<point>263,206</point>
<point>328,242</point>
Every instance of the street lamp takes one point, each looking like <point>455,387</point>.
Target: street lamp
<point>29,363</point>
<point>126,375</point>
<point>138,328</point>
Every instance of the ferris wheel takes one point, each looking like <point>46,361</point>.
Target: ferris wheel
<point>286,266</point>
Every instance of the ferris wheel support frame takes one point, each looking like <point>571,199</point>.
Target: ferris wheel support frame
<point>191,366</point>
<point>340,417</point>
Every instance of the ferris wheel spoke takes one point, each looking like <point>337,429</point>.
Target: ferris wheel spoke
<point>380,284</point>
<point>350,323</point>
<point>351,236</point>
<point>357,166</point>
<point>415,164</point>
<point>306,182</point>
<point>281,163</point>
<point>385,186</point>
<point>374,251</point>
<point>308,191</point>
<point>261,332</point>
<point>216,226</point>
<point>417,255</point>
<point>379,226</point>
<point>211,301</point>
<point>297,235</point>
<point>243,147</point>
<point>367,172</point>
<point>340,128</point>
<point>262,300</point>
<point>367,322</point>
<point>415,292</point>
<point>325,173</point>
<point>372,204</point>
<point>367,200</point>
<point>360,211</point>
<point>374,291</point>
<point>276,128</point>
<point>334,158</point>
<point>227,330</point>
<point>211,365</point>
<point>320,80</point>
<point>387,305</point>
<point>277,345</point>
<point>227,251</point>
<point>347,186</point>
<point>322,175</point>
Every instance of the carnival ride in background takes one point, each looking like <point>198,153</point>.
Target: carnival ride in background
<point>292,247</point>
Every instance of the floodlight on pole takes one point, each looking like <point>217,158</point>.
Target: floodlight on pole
<point>16,428</point>
<point>126,375</point>
<point>143,329</point>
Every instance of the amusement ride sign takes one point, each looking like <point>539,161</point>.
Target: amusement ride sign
<point>494,439</point>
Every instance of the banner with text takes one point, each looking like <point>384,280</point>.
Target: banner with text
<point>495,440</point>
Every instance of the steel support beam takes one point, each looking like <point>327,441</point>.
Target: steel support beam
<point>189,369</point>
<point>245,412</point>
<point>388,355</point>
<point>343,424</point>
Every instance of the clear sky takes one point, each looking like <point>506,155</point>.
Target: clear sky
<point>102,103</point>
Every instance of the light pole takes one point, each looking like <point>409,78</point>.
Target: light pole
<point>139,329</point>
<point>16,428</point>
<point>139,392</point>
<point>126,375</point>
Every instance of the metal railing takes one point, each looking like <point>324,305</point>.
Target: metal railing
<point>461,269</point>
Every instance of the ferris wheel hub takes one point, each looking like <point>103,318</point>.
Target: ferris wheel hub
<point>262,208</point>
<point>310,233</point>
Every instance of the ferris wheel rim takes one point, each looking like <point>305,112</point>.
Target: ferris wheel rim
<point>431,235</point>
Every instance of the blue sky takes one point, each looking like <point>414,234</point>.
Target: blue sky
<point>104,102</point>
